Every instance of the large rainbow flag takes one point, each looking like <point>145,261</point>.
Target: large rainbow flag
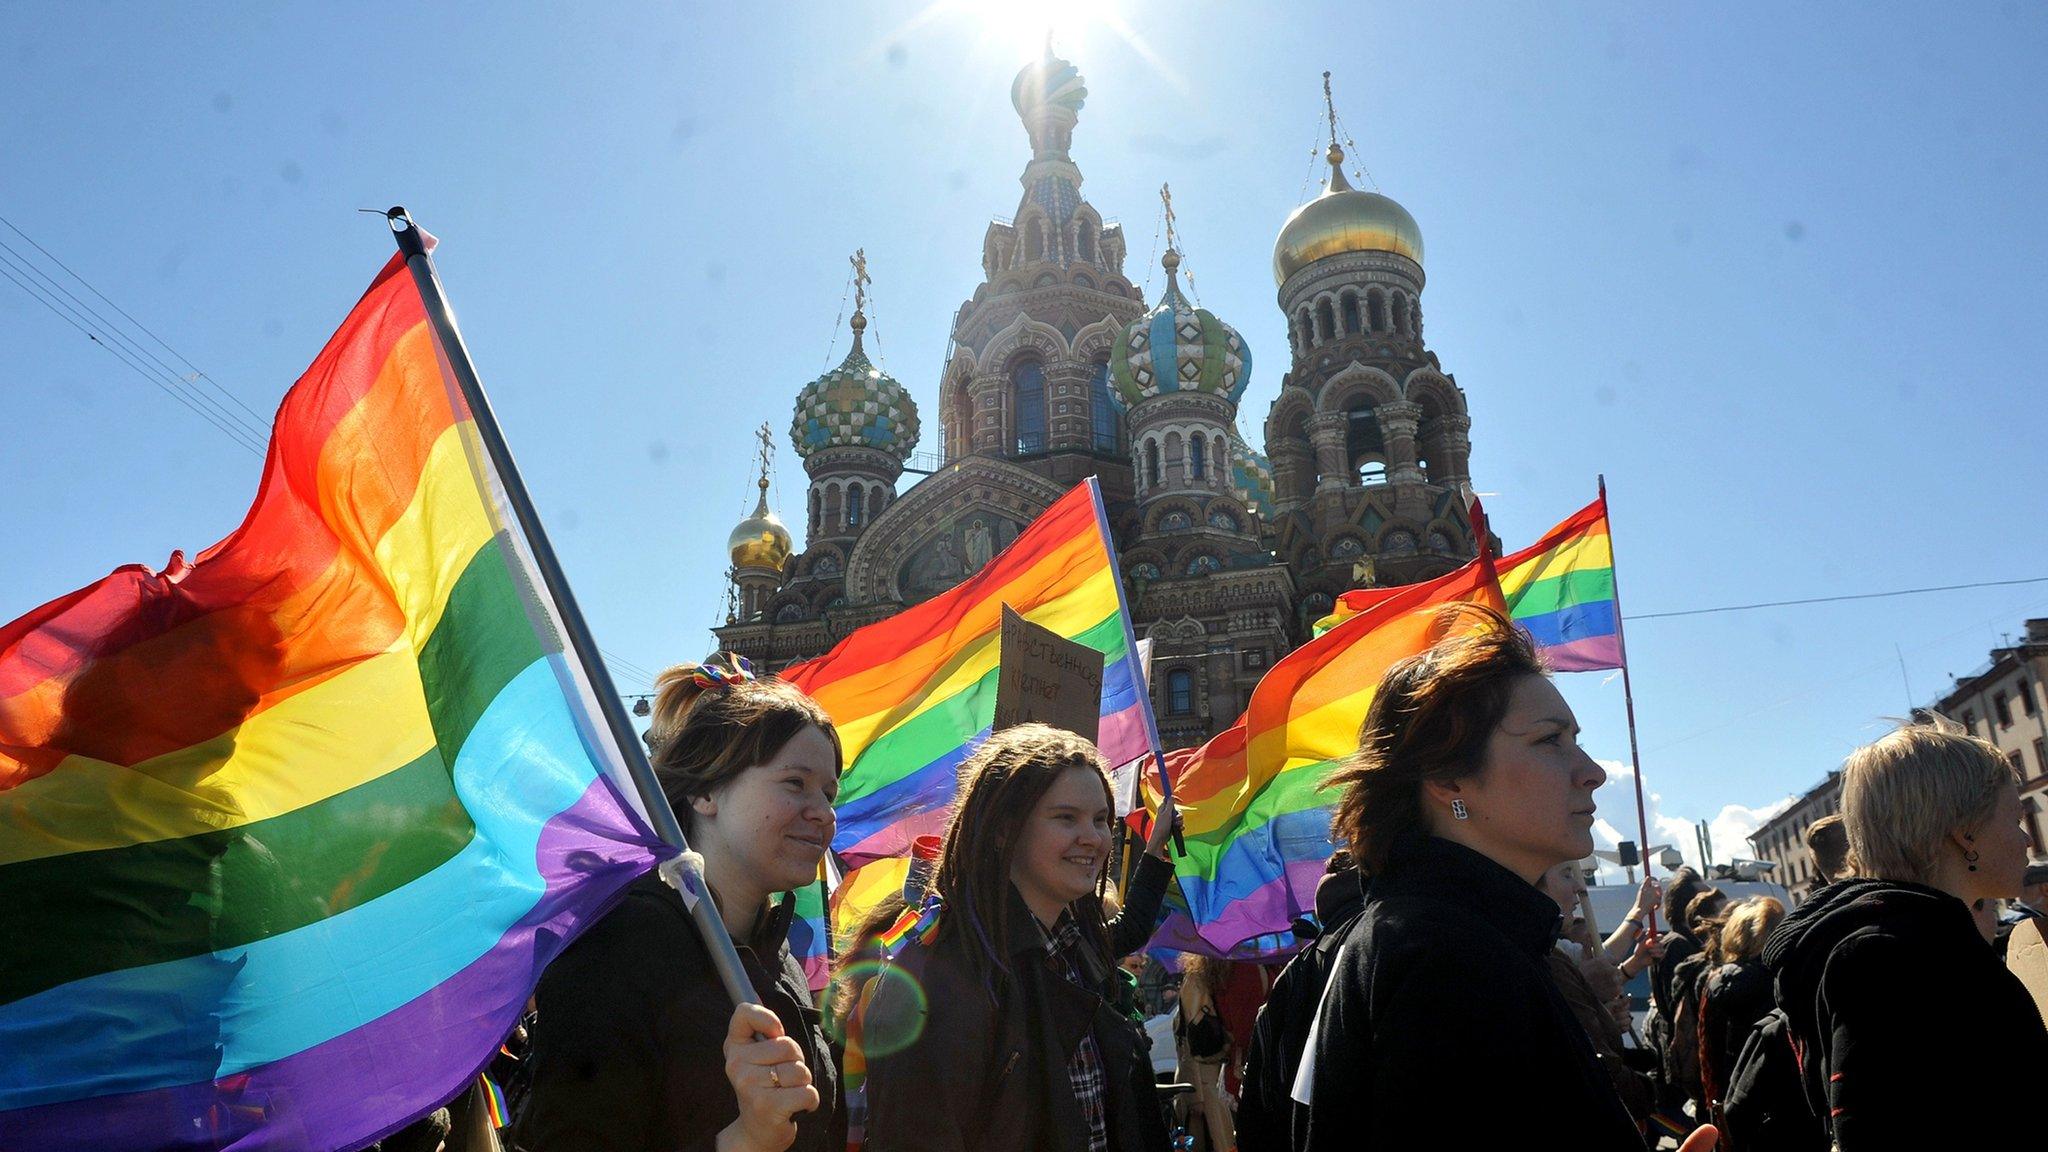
<point>914,694</point>
<point>1561,589</point>
<point>288,832</point>
<point>1257,815</point>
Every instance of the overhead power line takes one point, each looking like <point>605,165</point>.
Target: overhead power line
<point>1837,599</point>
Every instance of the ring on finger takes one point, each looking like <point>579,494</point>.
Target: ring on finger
<point>774,1077</point>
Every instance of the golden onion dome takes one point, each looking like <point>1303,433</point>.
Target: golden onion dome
<point>759,541</point>
<point>1343,219</point>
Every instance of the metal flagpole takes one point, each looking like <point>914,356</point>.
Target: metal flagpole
<point>685,873</point>
<point>1628,695</point>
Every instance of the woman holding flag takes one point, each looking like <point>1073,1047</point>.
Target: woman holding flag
<point>635,1044</point>
<point>997,1035</point>
<point>1440,1025</point>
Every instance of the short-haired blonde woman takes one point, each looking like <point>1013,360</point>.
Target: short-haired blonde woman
<point>1908,1019</point>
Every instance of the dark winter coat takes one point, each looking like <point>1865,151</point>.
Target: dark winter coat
<point>1441,1026</point>
<point>1735,999</point>
<point>989,1074</point>
<point>1911,1033</point>
<point>1677,948</point>
<point>629,1034</point>
<point>1266,1111</point>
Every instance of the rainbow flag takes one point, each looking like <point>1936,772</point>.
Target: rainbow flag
<point>1257,816</point>
<point>1561,589</point>
<point>914,694</point>
<point>288,832</point>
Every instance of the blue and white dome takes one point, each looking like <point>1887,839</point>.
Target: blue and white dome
<point>1252,475</point>
<point>1177,347</point>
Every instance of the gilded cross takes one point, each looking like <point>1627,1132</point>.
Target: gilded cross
<point>861,280</point>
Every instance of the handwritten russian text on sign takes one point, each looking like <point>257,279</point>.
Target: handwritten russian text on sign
<point>1047,678</point>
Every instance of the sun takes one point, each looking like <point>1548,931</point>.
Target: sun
<point>1021,26</point>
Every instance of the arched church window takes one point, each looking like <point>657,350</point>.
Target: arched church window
<point>817,510</point>
<point>1151,463</point>
<point>856,503</point>
<point>1326,321</point>
<point>1034,240</point>
<point>1308,330</point>
<point>1087,243</point>
<point>1364,446</point>
<point>1109,435</point>
<point>1350,313</point>
<point>1401,312</point>
<point>1198,456</point>
<point>1376,304</point>
<point>1027,380</point>
<point>1180,692</point>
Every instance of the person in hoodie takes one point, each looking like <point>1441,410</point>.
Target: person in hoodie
<point>1441,1026</point>
<point>1737,994</point>
<point>1905,1018</point>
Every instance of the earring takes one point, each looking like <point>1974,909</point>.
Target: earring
<point>1458,811</point>
<point>1970,858</point>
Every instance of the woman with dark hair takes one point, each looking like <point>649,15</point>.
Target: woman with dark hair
<point>991,1030</point>
<point>1441,1026</point>
<point>635,1044</point>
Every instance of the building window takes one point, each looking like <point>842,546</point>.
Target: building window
<point>1350,312</point>
<point>1198,456</point>
<point>1109,436</point>
<point>1326,321</point>
<point>1180,692</point>
<point>1151,463</point>
<point>2026,695</point>
<point>2003,707</point>
<point>2018,762</point>
<point>1027,381</point>
<point>2040,759</point>
<point>1970,722</point>
<point>1376,305</point>
<point>856,502</point>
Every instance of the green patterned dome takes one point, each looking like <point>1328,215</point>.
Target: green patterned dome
<point>1177,347</point>
<point>855,405</point>
<point>1252,475</point>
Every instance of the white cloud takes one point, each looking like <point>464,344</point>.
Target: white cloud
<point>1730,827</point>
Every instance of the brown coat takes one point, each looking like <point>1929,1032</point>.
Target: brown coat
<point>1632,1086</point>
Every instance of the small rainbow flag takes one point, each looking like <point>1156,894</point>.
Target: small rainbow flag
<point>1257,816</point>
<point>288,832</point>
<point>914,694</point>
<point>1561,589</point>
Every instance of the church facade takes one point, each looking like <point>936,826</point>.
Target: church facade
<point>1060,370</point>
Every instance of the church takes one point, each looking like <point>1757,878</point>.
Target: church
<point>1059,370</point>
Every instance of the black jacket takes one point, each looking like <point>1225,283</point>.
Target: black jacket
<point>1677,948</point>
<point>1441,1026</point>
<point>1266,1112</point>
<point>629,1034</point>
<point>1735,999</point>
<point>1911,1033</point>
<point>982,1076</point>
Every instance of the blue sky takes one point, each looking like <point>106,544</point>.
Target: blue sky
<point>1776,271</point>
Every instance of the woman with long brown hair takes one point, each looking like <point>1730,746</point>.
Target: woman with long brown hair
<point>635,1045</point>
<point>1441,1026</point>
<point>994,1032</point>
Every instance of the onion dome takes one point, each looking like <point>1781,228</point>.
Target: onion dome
<point>759,541</point>
<point>1177,347</point>
<point>1252,475</point>
<point>855,405</point>
<point>1343,219</point>
<point>1048,83</point>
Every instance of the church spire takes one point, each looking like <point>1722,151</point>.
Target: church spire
<point>1336,154</point>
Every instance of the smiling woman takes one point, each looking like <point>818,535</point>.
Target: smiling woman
<point>635,1045</point>
<point>1019,1047</point>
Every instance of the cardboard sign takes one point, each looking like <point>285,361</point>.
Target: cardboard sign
<point>2027,955</point>
<point>1046,678</point>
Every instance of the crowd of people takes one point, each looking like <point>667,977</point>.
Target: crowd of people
<point>1454,991</point>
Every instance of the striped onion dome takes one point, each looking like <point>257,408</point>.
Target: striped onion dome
<point>1177,347</point>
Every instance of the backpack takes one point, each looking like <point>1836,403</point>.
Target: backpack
<point>1766,1109</point>
<point>1681,1053</point>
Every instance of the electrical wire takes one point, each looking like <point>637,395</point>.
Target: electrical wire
<point>1836,599</point>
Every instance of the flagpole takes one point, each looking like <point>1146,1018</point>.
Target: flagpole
<point>685,873</point>
<point>1138,671</point>
<point>1628,696</point>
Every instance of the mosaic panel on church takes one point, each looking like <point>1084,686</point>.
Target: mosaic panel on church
<point>954,553</point>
